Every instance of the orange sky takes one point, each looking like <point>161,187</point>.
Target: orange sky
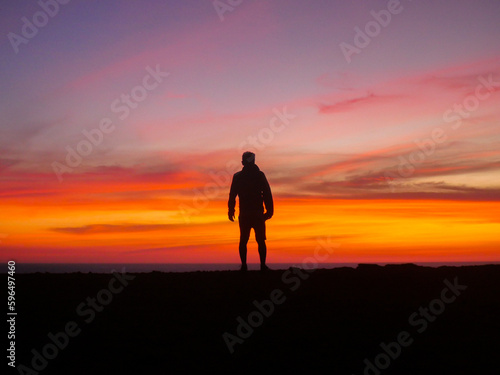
<point>378,230</point>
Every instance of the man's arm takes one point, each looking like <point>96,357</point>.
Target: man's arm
<point>268,197</point>
<point>231,203</point>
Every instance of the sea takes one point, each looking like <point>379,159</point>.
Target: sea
<point>192,267</point>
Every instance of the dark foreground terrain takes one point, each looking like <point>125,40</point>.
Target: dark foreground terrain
<point>370,320</point>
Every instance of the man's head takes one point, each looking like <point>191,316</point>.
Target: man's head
<point>248,158</point>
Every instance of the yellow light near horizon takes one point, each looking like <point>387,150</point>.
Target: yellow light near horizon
<point>365,229</point>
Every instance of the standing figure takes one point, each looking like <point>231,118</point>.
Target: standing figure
<point>252,188</point>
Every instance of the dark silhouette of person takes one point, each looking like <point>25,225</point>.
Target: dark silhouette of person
<point>253,191</point>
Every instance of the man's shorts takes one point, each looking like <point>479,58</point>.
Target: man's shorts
<point>255,221</point>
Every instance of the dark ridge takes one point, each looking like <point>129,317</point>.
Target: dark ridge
<point>329,318</point>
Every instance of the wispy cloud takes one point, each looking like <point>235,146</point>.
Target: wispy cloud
<point>353,103</point>
<point>112,228</point>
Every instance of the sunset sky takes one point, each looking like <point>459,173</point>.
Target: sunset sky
<point>377,124</point>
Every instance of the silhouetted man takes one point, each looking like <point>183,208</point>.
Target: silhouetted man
<point>252,188</point>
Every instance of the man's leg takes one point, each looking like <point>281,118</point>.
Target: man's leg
<point>262,252</point>
<point>244,236</point>
<point>260,237</point>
